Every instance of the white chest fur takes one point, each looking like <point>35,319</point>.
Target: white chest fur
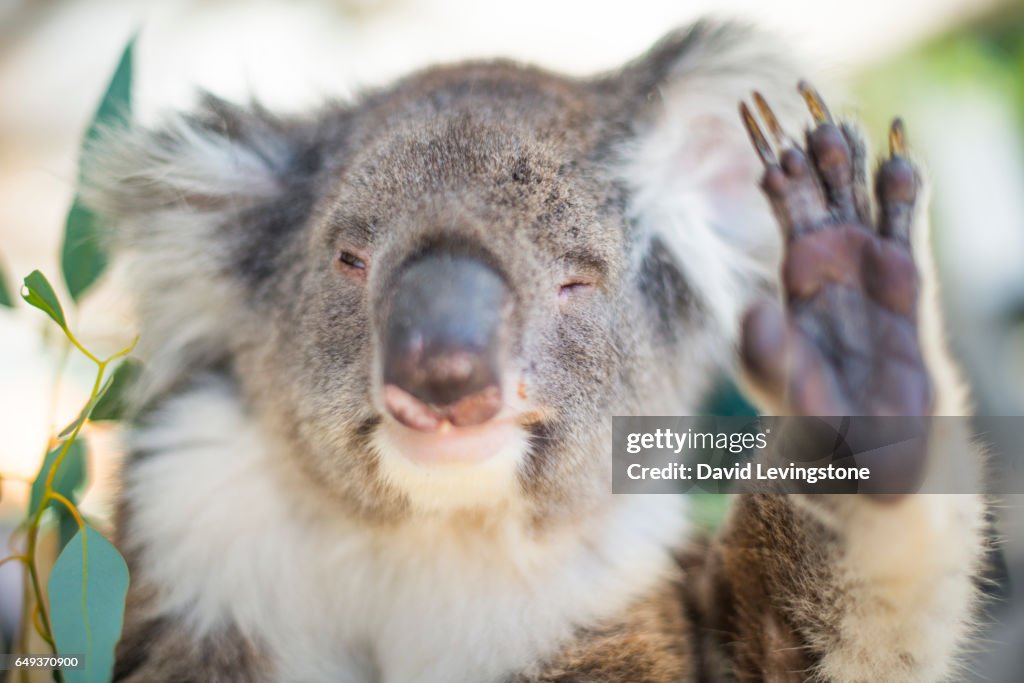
<point>232,535</point>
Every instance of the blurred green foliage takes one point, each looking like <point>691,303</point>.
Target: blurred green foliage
<point>987,53</point>
<point>89,581</point>
<point>83,258</point>
<point>6,300</point>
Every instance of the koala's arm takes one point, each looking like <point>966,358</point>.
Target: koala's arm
<point>829,587</point>
<point>839,589</point>
<point>849,587</point>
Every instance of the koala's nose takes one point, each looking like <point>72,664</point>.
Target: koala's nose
<point>441,342</point>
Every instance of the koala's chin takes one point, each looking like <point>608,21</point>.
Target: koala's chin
<point>457,467</point>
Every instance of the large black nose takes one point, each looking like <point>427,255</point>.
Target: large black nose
<point>441,342</point>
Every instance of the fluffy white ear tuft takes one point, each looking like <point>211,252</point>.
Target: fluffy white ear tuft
<point>179,202</point>
<point>692,173</point>
<point>202,162</point>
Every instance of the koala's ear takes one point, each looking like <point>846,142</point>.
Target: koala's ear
<point>198,210</point>
<point>682,152</point>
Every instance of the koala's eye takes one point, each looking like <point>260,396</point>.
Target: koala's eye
<point>580,274</point>
<point>572,288</point>
<point>350,262</point>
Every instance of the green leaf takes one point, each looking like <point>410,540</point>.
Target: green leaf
<point>83,259</point>
<point>38,292</point>
<point>87,409</point>
<point>112,402</point>
<point>5,293</point>
<point>67,527</point>
<point>115,382</point>
<point>87,591</point>
<point>68,480</point>
<point>84,413</point>
<point>116,106</point>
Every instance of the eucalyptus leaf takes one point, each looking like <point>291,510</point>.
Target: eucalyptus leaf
<point>111,404</point>
<point>87,590</point>
<point>83,258</point>
<point>6,299</point>
<point>68,480</point>
<point>38,292</point>
<point>116,105</point>
<point>84,413</point>
<point>67,527</point>
<point>90,408</point>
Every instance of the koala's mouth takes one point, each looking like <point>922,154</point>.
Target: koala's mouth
<point>450,444</point>
<point>473,410</point>
<point>457,468</point>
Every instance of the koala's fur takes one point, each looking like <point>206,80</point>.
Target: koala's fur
<point>274,534</point>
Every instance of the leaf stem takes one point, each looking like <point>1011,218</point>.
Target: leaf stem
<point>11,558</point>
<point>65,353</point>
<point>49,494</point>
<point>53,495</point>
<point>123,352</point>
<point>39,617</point>
<point>45,632</point>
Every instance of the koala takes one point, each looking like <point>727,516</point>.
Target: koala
<point>384,341</point>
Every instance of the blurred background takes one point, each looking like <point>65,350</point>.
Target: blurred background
<point>953,68</point>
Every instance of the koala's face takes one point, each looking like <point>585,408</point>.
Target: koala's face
<point>437,298</point>
<point>469,311</point>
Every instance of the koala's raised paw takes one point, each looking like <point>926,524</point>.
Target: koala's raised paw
<point>845,340</point>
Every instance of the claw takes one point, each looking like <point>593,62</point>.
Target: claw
<point>764,150</point>
<point>897,138</point>
<point>769,118</point>
<point>819,111</point>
